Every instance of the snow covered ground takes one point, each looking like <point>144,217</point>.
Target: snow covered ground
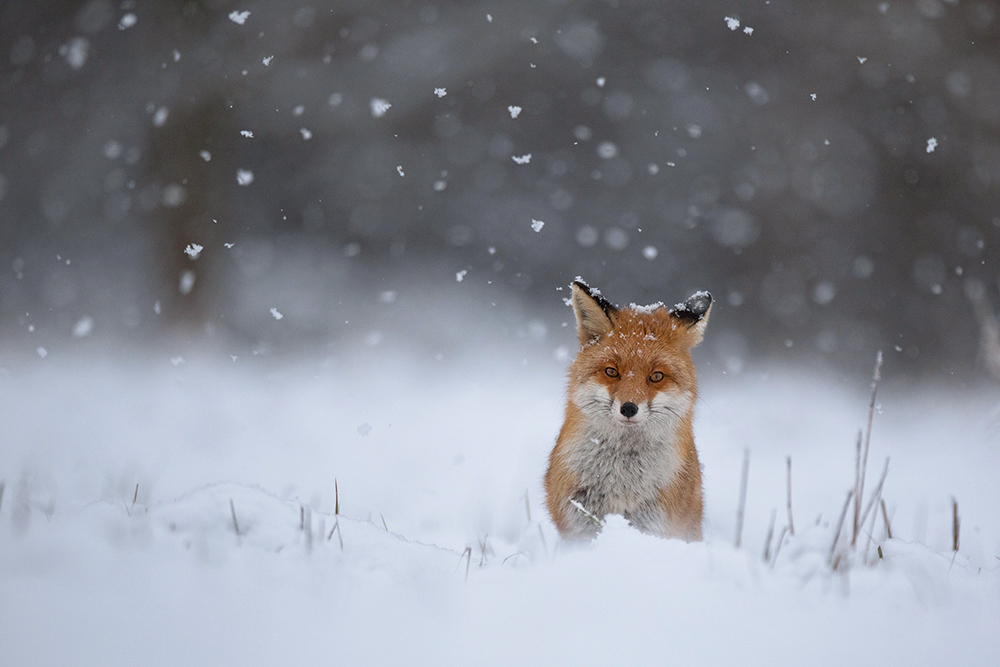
<point>186,515</point>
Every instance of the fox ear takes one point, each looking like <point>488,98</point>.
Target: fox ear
<point>593,313</point>
<point>693,314</point>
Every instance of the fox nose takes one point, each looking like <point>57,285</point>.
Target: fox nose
<point>629,409</point>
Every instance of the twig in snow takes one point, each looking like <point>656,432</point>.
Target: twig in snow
<point>2,486</point>
<point>770,534</point>
<point>885,517</point>
<point>777,547</point>
<point>743,499</point>
<point>336,497</point>
<point>467,555</point>
<point>876,376</point>
<point>340,535</point>
<point>302,518</point>
<point>309,530</point>
<point>876,498</point>
<point>955,524</point>
<point>857,483</point>
<point>578,505</point>
<point>791,524</point>
<point>135,496</point>
<point>527,506</point>
<point>236,525</point>
<point>840,524</point>
<point>383,522</point>
<point>877,495</point>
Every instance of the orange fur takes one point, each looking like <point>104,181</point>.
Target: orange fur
<point>626,445</point>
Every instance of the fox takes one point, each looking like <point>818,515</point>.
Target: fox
<point>626,445</point>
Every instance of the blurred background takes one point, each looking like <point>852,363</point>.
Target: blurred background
<point>336,177</point>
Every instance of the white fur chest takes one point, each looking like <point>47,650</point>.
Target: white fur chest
<point>621,468</point>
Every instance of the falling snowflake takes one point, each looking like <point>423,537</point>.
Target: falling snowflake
<point>440,92</point>
<point>399,168</point>
<point>306,134</point>
<point>267,60</point>
<point>247,133</point>
<point>514,111</point>
<point>127,21</point>
<point>931,144</point>
<point>523,159</point>
<point>537,225</point>
<point>274,312</point>
<point>460,276</point>
<point>244,177</point>
<point>379,107</point>
<point>193,250</point>
<point>239,18</point>
<point>732,23</point>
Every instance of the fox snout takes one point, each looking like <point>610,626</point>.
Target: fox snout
<point>627,412</point>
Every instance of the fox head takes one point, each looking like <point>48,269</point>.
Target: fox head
<point>634,368</point>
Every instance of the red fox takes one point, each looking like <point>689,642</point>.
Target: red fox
<point>626,446</point>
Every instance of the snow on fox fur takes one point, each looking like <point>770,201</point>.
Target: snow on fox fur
<point>626,446</point>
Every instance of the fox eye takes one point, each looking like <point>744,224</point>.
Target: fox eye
<point>611,372</point>
<point>655,376</point>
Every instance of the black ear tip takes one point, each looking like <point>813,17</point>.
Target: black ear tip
<point>694,308</point>
<point>594,294</point>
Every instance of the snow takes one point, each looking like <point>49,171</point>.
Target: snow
<point>379,107</point>
<point>275,314</point>
<point>193,250</point>
<point>160,116</point>
<point>127,21</point>
<point>732,23</point>
<point>514,111</point>
<point>267,61</point>
<point>76,52</point>
<point>246,133</point>
<point>536,225</point>
<point>440,92</point>
<point>239,17</point>
<point>931,144</point>
<point>521,159</point>
<point>306,133</point>
<point>83,326</point>
<point>185,514</point>
<point>244,177</point>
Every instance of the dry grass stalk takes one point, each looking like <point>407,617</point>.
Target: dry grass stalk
<point>791,524</point>
<point>527,506</point>
<point>135,496</point>
<point>876,376</point>
<point>885,517</point>
<point>340,535</point>
<point>578,505</point>
<point>738,539</point>
<point>955,524</point>
<point>309,530</point>
<point>383,522</point>
<point>236,525</point>
<point>336,497</point>
<point>467,555</point>
<point>770,534</point>
<point>840,526</point>
<point>877,495</point>
<point>857,483</point>
<point>777,546</point>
